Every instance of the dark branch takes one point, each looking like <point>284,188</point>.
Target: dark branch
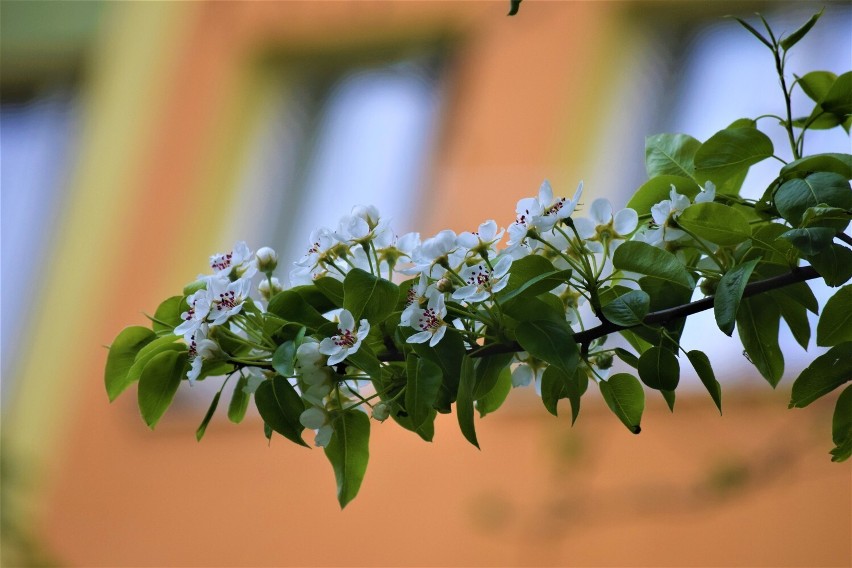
<point>670,314</point>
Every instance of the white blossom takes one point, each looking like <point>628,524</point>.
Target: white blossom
<point>430,321</point>
<point>348,339</point>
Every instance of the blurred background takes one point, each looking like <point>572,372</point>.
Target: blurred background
<point>139,138</point>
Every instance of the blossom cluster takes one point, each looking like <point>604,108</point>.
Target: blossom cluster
<point>455,278</point>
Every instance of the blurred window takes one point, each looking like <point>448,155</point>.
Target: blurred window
<point>36,142</point>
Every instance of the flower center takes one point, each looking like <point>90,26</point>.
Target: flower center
<point>554,209</point>
<point>481,278</point>
<point>221,261</point>
<point>227,300</point>
<point>429,320</point>
<point>345,338</point>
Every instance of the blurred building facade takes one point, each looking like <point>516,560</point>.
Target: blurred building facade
<point>163,132</point>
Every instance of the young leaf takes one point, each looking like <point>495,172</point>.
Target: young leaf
<point>835,323</point>
<point>731,152</point>
<point>659,369</point>
<point>349,451</point>
<point>816,84</point>
<point>280,407</point>
<point>424,381</point>
<point>624,395</point>
<point>199,432</point>
<point>758,320</point>
<point>495,398</point>
<point>670,154</point>
<point>628,309</point>
<point>549,341</point>
<point>841,430</point>
<point>729,292</point>
<point>464,402</point>
<point>122,352</point>
<point>369,297</point>
<point>701,364</point>
<point>826,373</point>
<point>720,224</point>
<point>239,402</point>
<point>754,32</point>
<point>791,40</point>
<point>158,384</point>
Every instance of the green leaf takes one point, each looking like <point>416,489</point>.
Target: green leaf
<point>840,164</point>
<point>556,384</point>
<point>659,188</point>
<point>791,40</point>
<point>549,341</point>
<point>729,292</point>
<point>838,100</point>
<point>239,401</point>
<point>821,216</point>
<point>834,264</point>
<point>369,297</point>
<point>280,407</point>
<point>795,196</point>
<point>795,315</point>
<point>720,224</point>
<point>841,427</point>
<point>284,359</point>
<point>536,285</point>
<point>544,307</point>
<point>730,152</point>
<point>167,317</point>
<point>659,369</point>
<point>158,384</point>
<point>627,357</point>
<point>669,397</point>
<point>702,366</point>
<point>424,382</point>
<point>659,264</point>
<point>332,289</point>
<point>315,297</point>
<point>366,360</point>
<point>495,398</point>
<point>464,402</point>
<point>148,352</point>
<point>349,451</point>
<point>816,84</point>
<point>812,240</point>
<point>835,323</point>
<point>523,271</point>
<point>826,373</point>
<point>199,432</point>
<point>670,154</point>
<point>624,395</point>
<point>121,355</point>
<point>488,371</point>
<point>757,323</point>
<point>292,307</point>
<point>447,354</point>
<point>765,238</point>
<point>629,309</point>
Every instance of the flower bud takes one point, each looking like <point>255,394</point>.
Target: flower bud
<point>604,361</point>
<point>267,260</point>
<point>445,285</point>
<point>381,411</point>
<point>268,290</point>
